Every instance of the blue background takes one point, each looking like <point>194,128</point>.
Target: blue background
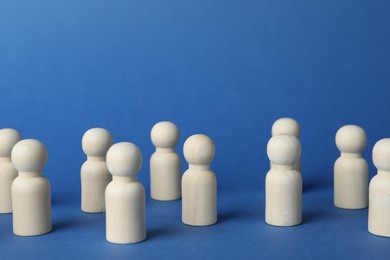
<point>224,68</point>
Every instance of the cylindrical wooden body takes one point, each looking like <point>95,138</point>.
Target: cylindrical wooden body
<point>8,173</point>
<point>125,212</point>
<point>94,180</point>
<point>379,205</point>
<point>31,203</point>
<point>199,198</point>
<point>165,176</point>
<point>351,183</point>
<point>283,197</point>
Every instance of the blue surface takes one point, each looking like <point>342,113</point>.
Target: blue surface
<point>224,68</point>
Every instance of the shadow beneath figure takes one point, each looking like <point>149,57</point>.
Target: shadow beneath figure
<point>317,184</point>
<point>235,216</point>
<point>314,216</point>
<point>157,233</point>
<point>63,225</point>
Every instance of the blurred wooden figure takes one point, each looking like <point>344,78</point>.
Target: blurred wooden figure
<point>94,174</point>
<point>125,196</point>
<point>31,199</point>
<point>290,127</point>
<point>351,169</point>
<point>165,164</point>
<point>379,204</point>
<point>8,138</point>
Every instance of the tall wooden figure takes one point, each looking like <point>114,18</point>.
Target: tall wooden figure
<point>125,196</point>
<point>287,126</point>
<point>94,174</point>
<point>199,184</point>
<point>31,199</point>
<point>283,184</point>
<point>379,204</point>
<point>8,138</point>
<point>165,164</point>
<point>351,169</point>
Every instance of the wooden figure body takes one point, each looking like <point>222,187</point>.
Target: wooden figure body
<point>125,196</point>
<point>8,138</point>
<point>199,184</point>
<point>283,185</point>
<point>31,199</point>
<point>94,173</point>
<point>290,127</point>
<point>379,191</point>
<point>351,169</point>
<point>165,163</point>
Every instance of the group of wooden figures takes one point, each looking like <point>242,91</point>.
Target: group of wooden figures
<point>24,191</point>
<point>109,180</point>
<point>351,187</point>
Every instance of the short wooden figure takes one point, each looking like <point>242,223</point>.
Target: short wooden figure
<point>165,164</point>
<point>290,127</point>
<point>379,194</point>
<point>31,199</point>
<point>125,196</point>
<point>8,138</point>
<point>351,169</point>
<point>199,184</point>
<point>283,184</point>
<point>94,173</point>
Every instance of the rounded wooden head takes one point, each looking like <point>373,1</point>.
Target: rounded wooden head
<point>351,139</point>
<point>381,155</point>
<point>164,135</point>
<point>29,155</point>
<point>286,126</point>
<point>8,138</point>
<point>199,149</point>
<point>124,159</point>
<point>96,142</point>
<point>284,149</point>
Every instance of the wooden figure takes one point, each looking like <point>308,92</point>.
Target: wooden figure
<point>8,138</point>
<point>283,184</point>
<point>165,164</point>
<point>379,191</point>
<point>125,196</point>
<point>290,127</point>
<point>31,199</point>
<point>199,184</point>
<point>94,174</point>
<point>351,169</point>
